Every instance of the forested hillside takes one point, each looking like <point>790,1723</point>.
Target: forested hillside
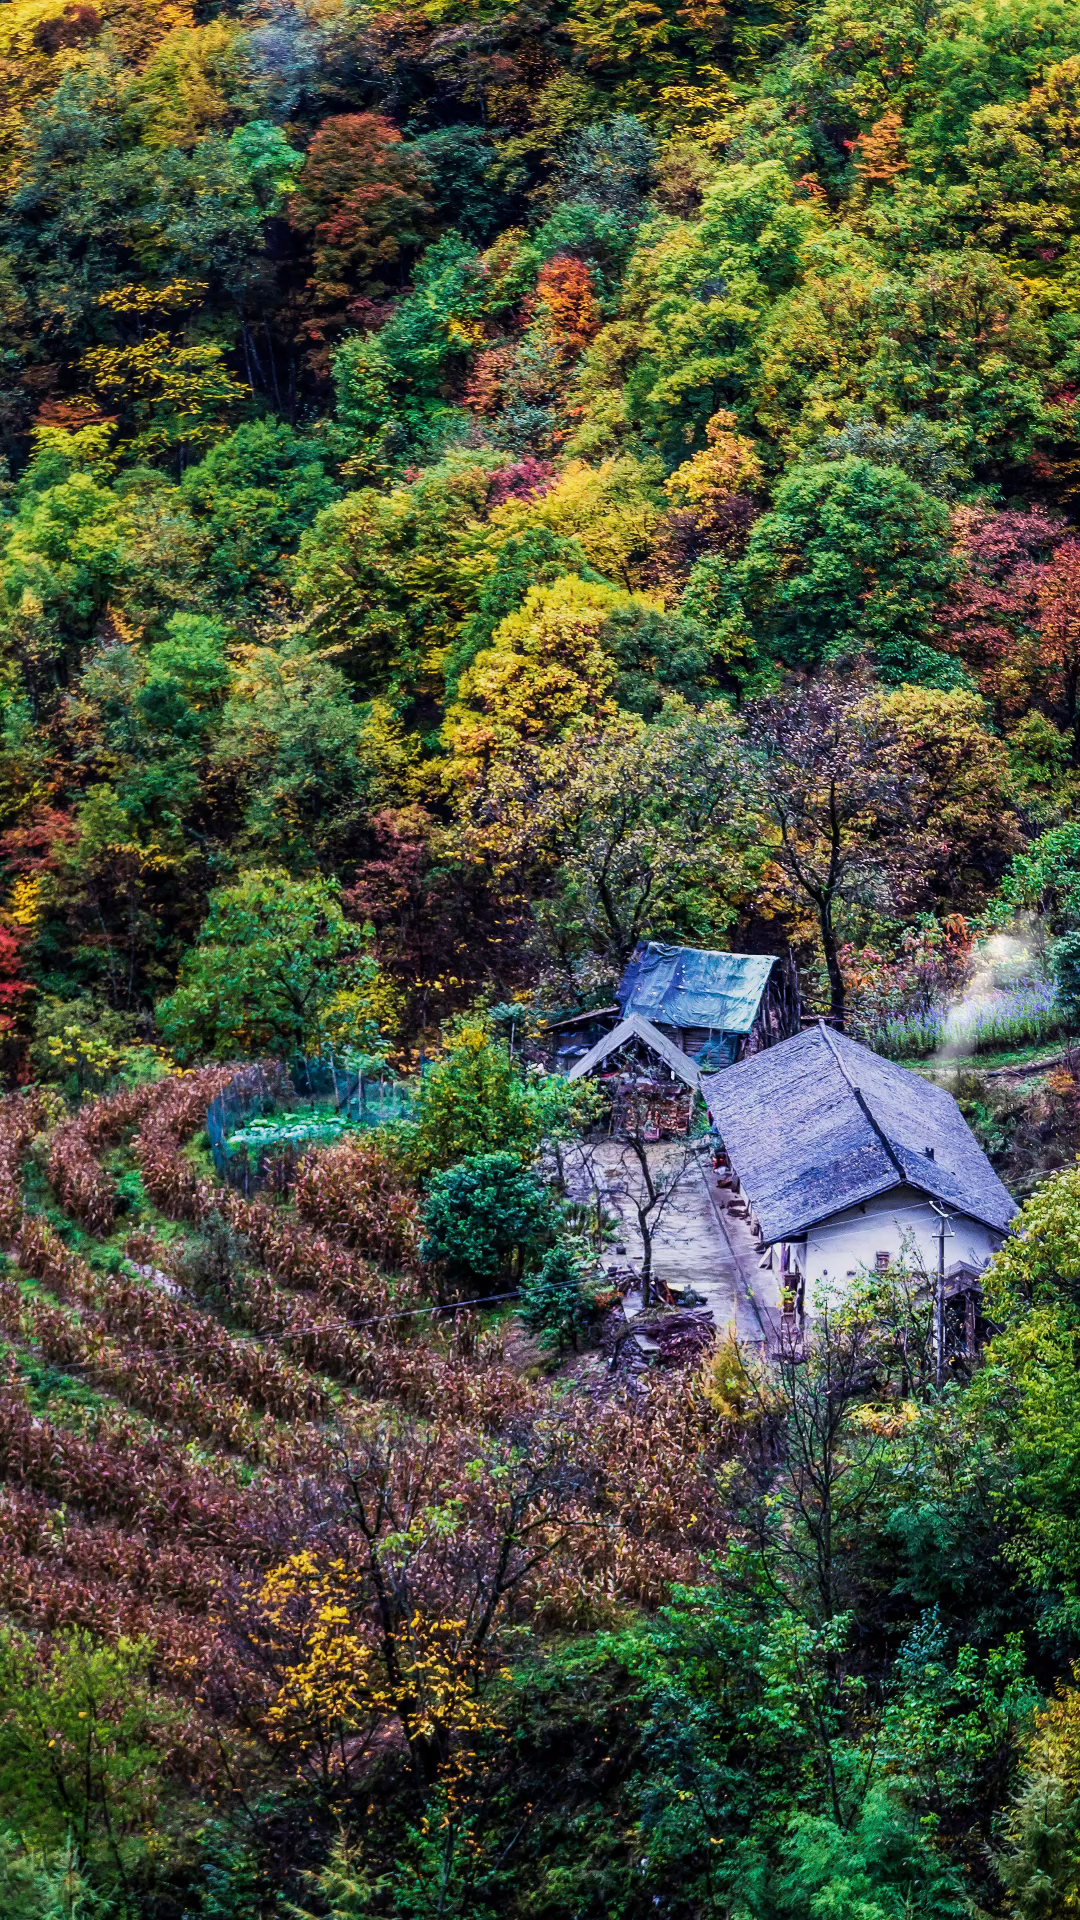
<point>484,485</point>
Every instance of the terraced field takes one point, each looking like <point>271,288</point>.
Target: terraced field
<point>203,1397</point>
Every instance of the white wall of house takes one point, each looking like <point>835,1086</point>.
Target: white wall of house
<point>900,1223</point>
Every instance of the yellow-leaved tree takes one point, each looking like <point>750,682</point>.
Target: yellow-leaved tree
<point>726,467</point>
<point>612,509</point>
<point>545,670</point>
<point>394,1617</point>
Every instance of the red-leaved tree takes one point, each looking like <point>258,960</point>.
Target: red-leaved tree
<point>991,617</point>
<point>362,198</point>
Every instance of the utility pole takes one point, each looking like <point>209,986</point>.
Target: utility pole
<point>939,1298</point>
<point>939,1305</point>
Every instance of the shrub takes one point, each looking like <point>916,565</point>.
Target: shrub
<point>554,1300</point>
<point>475,1099</point>
<point>483,1217</point>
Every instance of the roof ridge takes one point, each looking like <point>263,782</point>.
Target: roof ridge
<point>821,1156</point>
<point>827,1036</point>
<point>863,1103</point>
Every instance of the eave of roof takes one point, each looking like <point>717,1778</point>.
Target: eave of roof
<point>801,1228</point>
<point>581,1019</point>
<point>637,1028</point>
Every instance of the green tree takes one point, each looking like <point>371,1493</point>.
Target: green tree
<point>1029,1388</point>
<point>91,200</point>
<point>83,1739</point>
<point>1065,962</point>
<point>84,544</point>
<point>1045,880</point>
<point>36,1884</point>
<point>146,714</point>
<point>390,577</point>
<point>253,495</point>
<point>658,654</point>
<point>293,746</point>
<point>392,387</point>
<point>482,1219</point>
<point>276,969</point>
<point>851,559</point>
<point>756,1791</point>
<point>65,554</point>
<point>461,189</point>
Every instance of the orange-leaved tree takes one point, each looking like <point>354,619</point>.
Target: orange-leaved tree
<point>564,292</point>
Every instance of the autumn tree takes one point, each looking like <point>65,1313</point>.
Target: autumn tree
<point>564,293</point>
<point>873,800</point>
<point>171,391</point>
<point>619,831</point>
<point>1013,615</point>
<point>878,154</point>
<point>398,1618</point>
<point>1040,1866</point>
<point>988,617</point>
<point>726,470</point>
<point>1056,587</point>
<point>362,197</point>
<point>545,668</point>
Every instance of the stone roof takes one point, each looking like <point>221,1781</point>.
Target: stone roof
<point>819,1123</point>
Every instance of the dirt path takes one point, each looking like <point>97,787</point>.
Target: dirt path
<point>693,1245</point>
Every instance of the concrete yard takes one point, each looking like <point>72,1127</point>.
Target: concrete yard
<point>696,1244</point>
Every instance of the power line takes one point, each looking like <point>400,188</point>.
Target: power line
<point>285,1333</point>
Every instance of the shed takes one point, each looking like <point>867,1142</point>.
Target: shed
<point>635,1028</point>
<point>652,1083</point>
<point>717,1007</point>
<point>848,1161</point>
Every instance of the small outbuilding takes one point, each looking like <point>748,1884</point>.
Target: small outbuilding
<point>716,1007</point>
<point>651,1082</point>
<point>846,1161</point>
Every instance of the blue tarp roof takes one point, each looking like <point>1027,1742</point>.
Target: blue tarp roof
<point>694,987</point>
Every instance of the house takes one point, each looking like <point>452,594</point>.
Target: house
<point>717,1007</point>
<point>847,1161</point>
